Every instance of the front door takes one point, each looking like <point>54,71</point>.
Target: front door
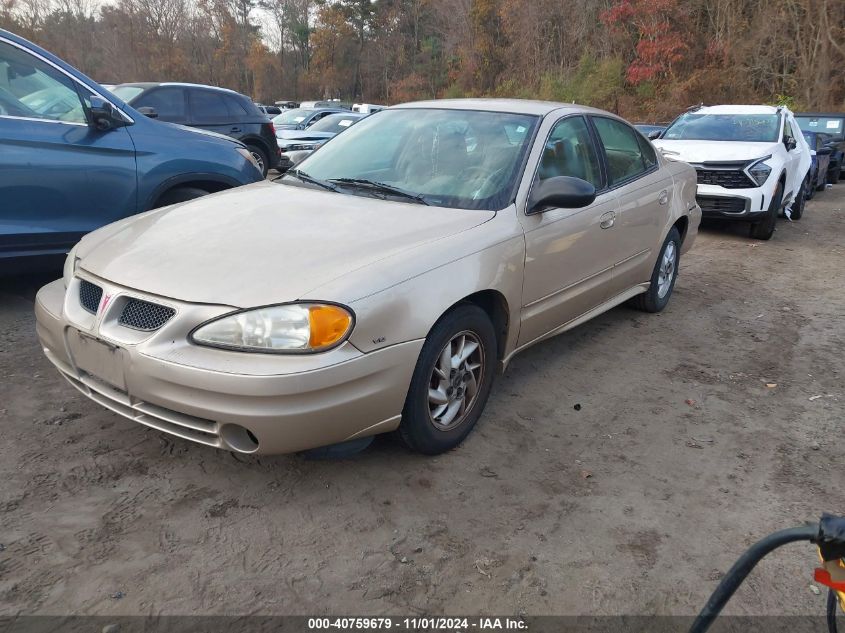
<point>569,252</point>
<point>59,177</point>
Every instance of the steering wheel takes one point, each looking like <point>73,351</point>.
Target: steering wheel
<point>488,179</point>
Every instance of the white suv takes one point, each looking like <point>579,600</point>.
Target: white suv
<point>752,162</point>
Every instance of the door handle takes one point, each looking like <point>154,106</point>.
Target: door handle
<point>607,219</point>
<point>235,129</point>
<point>664,197</point>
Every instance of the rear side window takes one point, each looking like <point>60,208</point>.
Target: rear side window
<point>625,158</point>
<point>30,88</point>
<point>168,102</point>
<point>209,107</point>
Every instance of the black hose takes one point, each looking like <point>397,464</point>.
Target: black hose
<point>831,611</point>
<point>742,567</point>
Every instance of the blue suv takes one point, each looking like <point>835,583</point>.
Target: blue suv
<point>73,157</point>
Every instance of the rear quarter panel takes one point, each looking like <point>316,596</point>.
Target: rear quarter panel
<point>683,202</point>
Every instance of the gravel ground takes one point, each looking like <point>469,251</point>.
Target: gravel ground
<point>619,468</point>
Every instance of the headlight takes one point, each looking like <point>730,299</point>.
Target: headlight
<point>70,266</point>
<point>243,151</point>
<point>286,328</point>
<point>759,171</point>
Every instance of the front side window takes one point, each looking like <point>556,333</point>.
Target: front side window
<point>450,158</point>
<point>787,131</point>
<point>168,102</point>
<point>622,149</point>
<point>569,151</point>
<point>751,128</point>
<point>33,89</point>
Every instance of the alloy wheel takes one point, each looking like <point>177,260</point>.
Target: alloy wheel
<point>666,273</point>
<point>455,380</point>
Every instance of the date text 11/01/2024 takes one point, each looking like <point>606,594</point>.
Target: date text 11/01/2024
<point>419,624</point>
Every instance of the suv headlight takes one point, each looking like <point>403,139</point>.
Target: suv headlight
<point>759,171</point>
<point>243,151</point>
<point>70,266</point>
<point>288,328</point>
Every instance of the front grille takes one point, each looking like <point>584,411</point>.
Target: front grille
<point>143,315</point>
<point>727,178</point>
<point>718,204</point>
<point>90,295</point>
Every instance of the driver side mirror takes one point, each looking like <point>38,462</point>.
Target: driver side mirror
<point>654,135</point>
<point>103,115</point>
<point>790,143</point>
<point>561,192</point>
<point>148,111</point>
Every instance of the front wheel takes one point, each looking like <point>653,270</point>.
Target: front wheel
<point>662,277</point>
<point>451,381</point>
<point>260,158</point>
<point>765,228</point>
<point>797,209</point>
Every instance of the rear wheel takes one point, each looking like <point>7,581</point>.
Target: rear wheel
<point>662,277</point>
<point>797,208</point>
<point>810,185</point>
<point>451,381</point>
<point>765,228</point>
<point>180,194</point>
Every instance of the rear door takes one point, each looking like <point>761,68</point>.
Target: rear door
<point>645,196</point>
<point>569,252</point>
<point>210,111</point>
<point>59,177</point>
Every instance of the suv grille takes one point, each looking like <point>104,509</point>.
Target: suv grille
<point>716,204</point>
<point>143,315</point>
<point>90,295</point>
<point>727,178</point>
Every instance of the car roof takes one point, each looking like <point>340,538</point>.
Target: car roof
<point>511,106</point>
<point>738,109</point>
<point>154,84</point>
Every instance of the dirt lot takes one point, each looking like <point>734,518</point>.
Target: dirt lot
<point>681,454</point>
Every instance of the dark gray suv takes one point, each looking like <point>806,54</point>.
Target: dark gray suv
<point>210,108</point>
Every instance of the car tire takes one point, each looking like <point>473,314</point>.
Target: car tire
<point>180,194</point>
<point>833,175</point>
<point>261,157</point>
<point>662,277</point>
<point>810,187</point>
<point>797,208</point>
<point>765,228</point>
<point>433,418</point>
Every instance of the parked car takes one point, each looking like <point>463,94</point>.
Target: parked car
<point>367,108</point>
<point>301,118</point>
<point>751,162</point>
<point>208,108</point>
<point>73,157</point>
<point>389,277</point>
<point>331,103</point>
<point>820,153</point>
<point>650,130</point>
<point>297,144</point>
<point>287,105</point>
<point>832,123</point>
<point>270,111</point>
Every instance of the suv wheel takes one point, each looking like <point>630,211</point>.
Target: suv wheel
<point>765,228</point>
<point>451,381</point>
<point>797,209</point>
<point>260,157</point>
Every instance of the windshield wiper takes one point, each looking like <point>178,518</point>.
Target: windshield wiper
<point>382,188</point>
<point>301,175</point>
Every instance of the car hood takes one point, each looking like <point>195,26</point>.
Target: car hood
<point>302,135</point>
<point>714,151</point>
<point>264,243</point>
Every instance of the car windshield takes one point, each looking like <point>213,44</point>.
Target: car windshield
<point>834,126</point>
<point>334,123</point>
<point>699,126</point>
<point>292,117</point>
<point>450,158</point>
<point>127,93</point>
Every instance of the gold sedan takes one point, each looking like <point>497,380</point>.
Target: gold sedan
<point>378,287</point>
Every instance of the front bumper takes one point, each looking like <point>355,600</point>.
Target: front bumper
<point>250,403</point>
<point>732,204</point>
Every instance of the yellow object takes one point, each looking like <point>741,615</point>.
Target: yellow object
<point>329,324</point>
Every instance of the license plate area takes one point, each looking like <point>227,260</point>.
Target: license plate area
<point>97,358</point>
